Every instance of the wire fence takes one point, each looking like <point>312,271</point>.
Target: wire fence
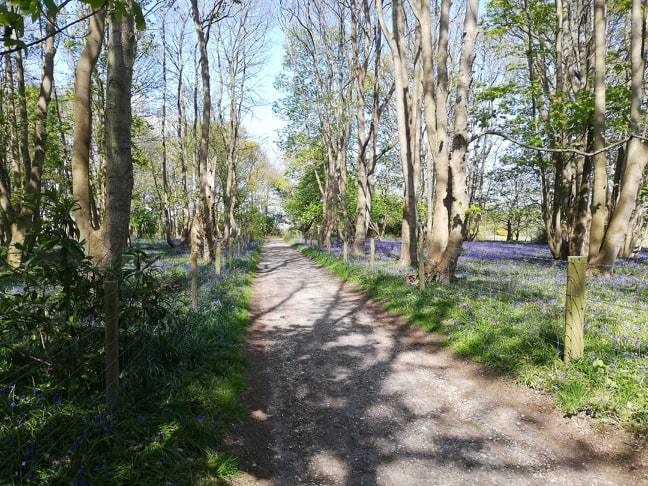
<point>33,433</point>
<point>516,284</point>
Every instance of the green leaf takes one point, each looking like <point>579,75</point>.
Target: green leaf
<point>140,22</point>
<point>13,20</point>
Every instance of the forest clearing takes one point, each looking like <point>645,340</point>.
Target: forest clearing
<point>354,242</point>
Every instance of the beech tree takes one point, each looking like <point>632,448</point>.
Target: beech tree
<point>445,269</point>
<point>406,105</point>
<point>448,152</point>
<point>321,35</point>
<point>585,124</point>
<point>20,191</point>
<point>371,102</point>
<point>203,23</point>
<point>637,147</point>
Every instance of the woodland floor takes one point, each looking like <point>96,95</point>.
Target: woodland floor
<point>340,392</point>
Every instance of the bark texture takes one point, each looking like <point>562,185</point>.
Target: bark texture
<point>82,135</point>
<point>26,214</point>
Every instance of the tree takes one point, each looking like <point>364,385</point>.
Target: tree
<point>122,43</point>
<point>366,52</point>
<point>435,92</point>
<point>165,178</point>
<point>458,196</point>
<point>203,24</point>
<point>20,193</point>
<point>322,93</point>
<point>600,179</point>
<point>240,54</point>
<point>637,148</point>
<point>82,136</point>
<point>405,105</point>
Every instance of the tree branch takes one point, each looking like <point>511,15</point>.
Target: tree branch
<point>556,150</point>
<point>52,34</point>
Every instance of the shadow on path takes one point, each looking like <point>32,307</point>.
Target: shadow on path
<point>342,393</point>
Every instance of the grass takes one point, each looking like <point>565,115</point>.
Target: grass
<point>179,392</point>
<point>517,329</point>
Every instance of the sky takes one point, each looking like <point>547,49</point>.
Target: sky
<point>262,124</point>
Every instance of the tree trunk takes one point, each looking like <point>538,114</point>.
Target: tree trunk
<point>330,205</point>
<point>23,120</point>
<point>620,220</point>
<point>165,176</point>
<point>344,221</point>
<point>637,151</point>
<point>446,268</point>
<point>365,161</point>
<point>181,131</point>
<point>438,239</point>
<point>82,135</point>
<point>363,210</point>
<point>229,198</point>
<point>203,148</point>
<point>579,242</point>
<point>396,41</point>
<point>118,122</point>
<point>600,179</point>
<point>633,237</point>
<point>28,213</point>
<point>182,135</point>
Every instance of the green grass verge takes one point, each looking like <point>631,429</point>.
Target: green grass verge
<point>178,396</point>
<point>519,335</point>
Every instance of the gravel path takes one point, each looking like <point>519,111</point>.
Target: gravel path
<point>340,392</point>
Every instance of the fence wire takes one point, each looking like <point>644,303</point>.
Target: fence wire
<point>616,298</point>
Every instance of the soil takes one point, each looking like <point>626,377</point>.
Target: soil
<point>342,393</point>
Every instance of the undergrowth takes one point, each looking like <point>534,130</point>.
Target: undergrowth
<point>180,388</point>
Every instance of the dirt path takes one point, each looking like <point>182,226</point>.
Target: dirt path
<point>342,393</point>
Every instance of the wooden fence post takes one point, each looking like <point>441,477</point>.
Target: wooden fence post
<point>575,308</point>
<point>111,312</point>
<point>421,268</point>
<point>372,254</point>
<point>217,261</point>
<point>194,280</point>
<point>420,256</point>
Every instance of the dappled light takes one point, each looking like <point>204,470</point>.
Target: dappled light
<point>346,242</point>
<point>355,396</point>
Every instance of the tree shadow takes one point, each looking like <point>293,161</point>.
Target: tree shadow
<point>347,394</point>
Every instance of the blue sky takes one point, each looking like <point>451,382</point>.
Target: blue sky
<point>262,123</point>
